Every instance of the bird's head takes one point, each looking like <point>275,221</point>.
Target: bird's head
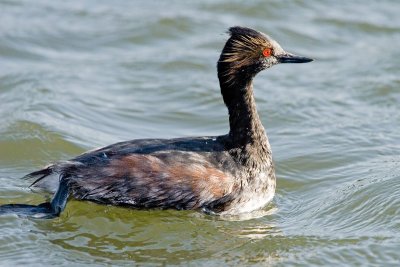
<point>248,52</point>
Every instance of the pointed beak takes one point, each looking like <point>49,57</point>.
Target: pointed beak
<point>290,58</point>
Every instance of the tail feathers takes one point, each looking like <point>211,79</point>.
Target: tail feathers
<point>47,210</point>
<point>51,209</point>
<point>62,168</point>
<point>39,175</point>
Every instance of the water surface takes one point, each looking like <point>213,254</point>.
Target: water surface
<point>81,74</point>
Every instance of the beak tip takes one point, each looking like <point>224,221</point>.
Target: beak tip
<point>290,58</point>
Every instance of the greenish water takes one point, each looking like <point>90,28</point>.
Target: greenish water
<point>81,74</point>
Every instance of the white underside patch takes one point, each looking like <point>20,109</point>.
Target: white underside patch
<point>254,203</point>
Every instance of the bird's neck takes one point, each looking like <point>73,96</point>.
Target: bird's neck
<point>246,130</point>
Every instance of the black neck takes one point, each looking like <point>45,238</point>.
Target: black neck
<point>245,125</point>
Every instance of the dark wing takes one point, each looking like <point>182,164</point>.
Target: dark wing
<point>148,146</point>
<point>186,173</point>
<point>181,180</point>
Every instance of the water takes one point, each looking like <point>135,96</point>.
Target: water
<point>81,74</point>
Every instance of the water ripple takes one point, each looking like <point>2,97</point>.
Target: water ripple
<point>77,75</point>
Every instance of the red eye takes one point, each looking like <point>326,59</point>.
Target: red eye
<point>267,52</point>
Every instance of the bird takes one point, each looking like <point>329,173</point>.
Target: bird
<point>228,174</point>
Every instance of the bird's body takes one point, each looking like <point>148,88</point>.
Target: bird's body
<point>226,174</point>
<point>186,173</point>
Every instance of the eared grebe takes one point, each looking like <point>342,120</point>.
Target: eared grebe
<point>226,174</point>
